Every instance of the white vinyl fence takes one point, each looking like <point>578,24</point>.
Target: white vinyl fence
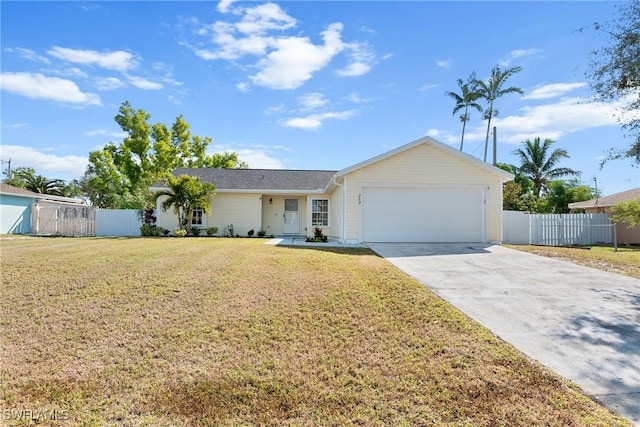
<point>557,229</point>
<point>118,222</point>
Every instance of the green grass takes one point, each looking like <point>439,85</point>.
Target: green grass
<point>205,331</point>
<point>626,260</point>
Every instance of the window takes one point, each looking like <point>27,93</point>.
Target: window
<point>320,213</point>
<point>196,218</point>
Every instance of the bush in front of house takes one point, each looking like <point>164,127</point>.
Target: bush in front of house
<point>179,232</point>
<point>150,230</point>
<point>211,231</point>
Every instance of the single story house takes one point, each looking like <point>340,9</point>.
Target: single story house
<point>624,233</point>
<point>25,212</point>
<point>424,191</point>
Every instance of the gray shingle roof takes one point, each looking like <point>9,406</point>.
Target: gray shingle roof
<point>607,200</point>
<point>261,179</point>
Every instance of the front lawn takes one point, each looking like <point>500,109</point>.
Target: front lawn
<point>626,260</point>
<point>201,331</point>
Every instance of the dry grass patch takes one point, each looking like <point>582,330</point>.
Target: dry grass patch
<point>625,261</point>
<point>234,332</point>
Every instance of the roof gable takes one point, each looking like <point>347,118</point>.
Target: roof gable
<point>506,176</point>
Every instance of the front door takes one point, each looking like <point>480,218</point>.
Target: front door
<point>291,217</point>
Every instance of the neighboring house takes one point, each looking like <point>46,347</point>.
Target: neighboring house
<point>424,191</point>
<point>624,233</point>
<point>20,211</point>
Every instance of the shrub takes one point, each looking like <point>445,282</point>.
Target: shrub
<point>165,231</point>
<point>195,231</point>
<point>179,232</point>
<point>150,230</point>
<point>261,233</point>
<point>251,232</point>
<point>211,231</point>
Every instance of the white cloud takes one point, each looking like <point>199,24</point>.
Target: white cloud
<point>49,165</point>
<point>355,98</point>
<point>444,63</point>
<point>109,83</point>
<point>144,84</point>
<point>310,101</point>
<point>257,157</point>
<point>519,53</point>
<point>315,121</point>
<point>29,54</point>
<point>361,60</point>
<point>282,61</point>
<point>553,90</point>
<point>553,121</point>
<point>276,109</point>
<point>265,17</point>
<point>39,86</point>
<point>119,60</point>
<point>225,5</point>
<point>295,59</point>
<point>103,132</point>
<point>243,87</point>
<point>424,88</point>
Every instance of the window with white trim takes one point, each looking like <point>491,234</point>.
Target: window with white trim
<point>197,217</point>
<point>320,212</point>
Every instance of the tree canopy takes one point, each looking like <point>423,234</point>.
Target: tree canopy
<point>540,164</point>
<point>614,72</point>
<point>491,90</point>
<point>27,178</point>
<point>120,175</point>
<point>628,212</point>
<point>467,97</point>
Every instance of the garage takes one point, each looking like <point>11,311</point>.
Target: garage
<point>423,214</point>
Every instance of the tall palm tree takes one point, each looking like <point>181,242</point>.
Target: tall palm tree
<point>185,194</point>
<point>466,98</point>
<point>539,163</point>
<point>493,89</point>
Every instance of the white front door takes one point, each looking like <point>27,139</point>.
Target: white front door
<point>291,217</point>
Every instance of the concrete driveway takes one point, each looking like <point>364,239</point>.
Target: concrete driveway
<point>582,323</point>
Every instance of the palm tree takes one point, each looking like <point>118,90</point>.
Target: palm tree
<point>493,89</point>
<point>186,193</point>
<point>465,99</point>
<point>26,178</point>
<point>539,163</point>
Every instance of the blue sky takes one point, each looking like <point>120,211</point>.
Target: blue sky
<point>300,84</point>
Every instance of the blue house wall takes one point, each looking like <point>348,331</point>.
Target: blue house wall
<point>15,214</point>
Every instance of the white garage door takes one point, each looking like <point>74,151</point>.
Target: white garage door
<point>404,214</point>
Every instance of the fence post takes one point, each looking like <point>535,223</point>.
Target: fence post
<point>615,237</point>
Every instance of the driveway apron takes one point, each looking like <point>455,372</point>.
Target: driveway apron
<point>580,322</point>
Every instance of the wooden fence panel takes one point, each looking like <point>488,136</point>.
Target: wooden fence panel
<point>59,219</point>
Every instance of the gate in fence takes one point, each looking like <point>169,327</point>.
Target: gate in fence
<point>557,229</point>
<point>58,219</point>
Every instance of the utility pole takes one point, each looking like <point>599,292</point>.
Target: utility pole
<point>595,182</point>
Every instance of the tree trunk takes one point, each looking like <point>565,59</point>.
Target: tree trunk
<point>464,124</point>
